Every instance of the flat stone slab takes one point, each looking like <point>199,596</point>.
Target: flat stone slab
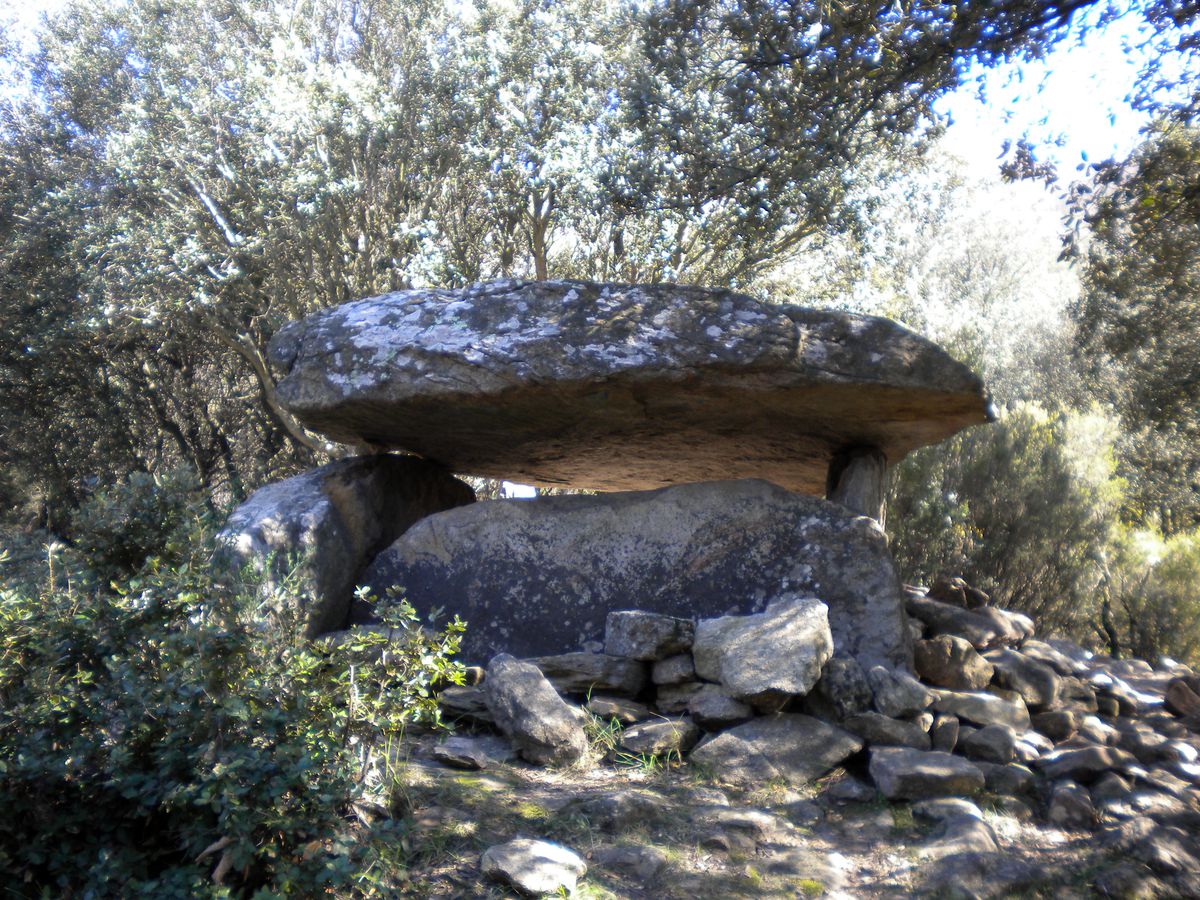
<point>540,577</point>
<point>619,387</point>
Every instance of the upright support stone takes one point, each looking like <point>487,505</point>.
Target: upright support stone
<point>858,481</point>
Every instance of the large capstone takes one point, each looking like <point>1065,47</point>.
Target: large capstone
<point>539,577</point>
<point>318,531</point>
<point>618,387</point>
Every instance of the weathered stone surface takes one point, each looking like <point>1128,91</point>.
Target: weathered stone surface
<point>944,733</point>
<point>329,523</point>
<point>844,686</point>
<point>539,868</point>
<point>898,694</point>
<point>582,673</point>
<point>1084,764</point>
<point>778,652</point>
<point>1071,806</point>
<point>674,669</point>
<point>1056,724</point>
<point>474,753</point>
<point>646,636</point>
<point>993,743</point>
<point>673,699</point>
<point>951,662</point>
<point>1010,779</point>
<point>792,748</point>
<point>905,774</point>
<point>1036,682</point>
<point>1182,700</point>
<point>983,709</point>
<point>622,709</point>
<point>943,618</point>
<point>464,702</point>
<point>1055,659</point>
<point>955,591</point>
<point>957,835</point>
<point>641,863</point>
<point>543,728</point>
<point>616,387</point>
<point>938,809</point>
<point>882,731</point>
<point>660,737</point>
<point>534,577</point>
<point>713,709</point>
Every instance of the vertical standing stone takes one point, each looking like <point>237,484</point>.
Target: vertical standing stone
<point>858,481</point>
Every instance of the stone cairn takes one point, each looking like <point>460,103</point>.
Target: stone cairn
<point>707,602</point>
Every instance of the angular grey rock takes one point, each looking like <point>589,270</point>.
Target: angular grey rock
<point>1055,659</point>
<point>957,835</point>
<point>938,809</point>
<point>1071,807</point>
<point>1056,724</point>
<point>953,590</point>
<point>621,810</point>
<point>674,669</point>
<point>619,387</point>
<point>673,699</point>
<point>660,737</point>
<point>942,618</point>
<point>788,747</point>
<point>1110,786</point>
<point>329,523</point>
<point>468,703</point>
<point>1084,764</point>
<point>980,876</point>
<point>646,636</point>
<point>1036,682</point>
<point>983,709</point>
<point>582,673</point>
<point>472,753</point>
<point>904,774</point>
<point>898,694</point>
<point>993,743</point>
<point>776,653</point>
<point>1010,779</point>
<point>1163,848</point>
<point>713,709</point>
<point>536,577</point>
<point>622,709</point>
<point>944,733</point>
<point>843,684</point>
<point>544,729</point>
<point>539,868</point>
<point>881,731</point>
<point>949,661</point>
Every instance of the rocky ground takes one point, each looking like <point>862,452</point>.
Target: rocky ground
<point>745,761</point>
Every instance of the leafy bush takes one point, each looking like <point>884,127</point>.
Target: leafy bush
<point>143,517</point>
<point>155,742</point>
<point>1024,508</point>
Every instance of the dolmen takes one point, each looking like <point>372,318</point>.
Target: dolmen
<point>736,450</point>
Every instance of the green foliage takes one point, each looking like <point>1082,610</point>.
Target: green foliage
<point>1023,508</point>
<point>142,517</point>
<point>156,741</point>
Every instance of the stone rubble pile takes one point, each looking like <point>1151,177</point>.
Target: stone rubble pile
<point>1079,741</point>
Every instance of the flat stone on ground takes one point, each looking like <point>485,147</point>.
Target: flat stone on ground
<point>539,868</point>
<point>905,774</point>
<point>788,747</point>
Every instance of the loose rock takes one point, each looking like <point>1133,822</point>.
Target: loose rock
<point>951,662</point>
<point>788,747</point>
<point>545,730</point>
<point>646,636</point>
<point>904,774</point>
<point>535,867</point>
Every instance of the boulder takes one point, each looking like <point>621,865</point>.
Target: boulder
<point>953,590</point>
<point>544,729</point>
<point>539,868</point>
<point>905,774</point>
<point>993,743</point>
<point>538,577</point>
<point>1182,699</point>
<point>474,753</point>
<point>951,662</point>
<point>877,731</point>
<point>673,699</point>
<point>712,708</point>
<point>583,673</point>
<point>325,526</point>
<point>619,387</point>
<point>1036,682</point>
<point>1056,724</point>
<point>984,708</point>
<point>674,669</point>
<point>646,636</point>
<point>776,653</point>
<point>844,686</point>
<point>1084,764</point>
<point>660,737</point>
<point>791,748</point>
<point>959,834</point>
<point>944,733</point>
<point>898,694</point>
<point>621,709</point>
<point>1055,659</point>
<point>1071,807</point>
<point>943,618</point>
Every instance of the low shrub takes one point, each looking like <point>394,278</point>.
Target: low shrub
<point>156,741</point>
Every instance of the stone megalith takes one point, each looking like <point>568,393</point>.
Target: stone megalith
<point>539,577</point>
<point>621,387</point>
<point>325,526</point>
